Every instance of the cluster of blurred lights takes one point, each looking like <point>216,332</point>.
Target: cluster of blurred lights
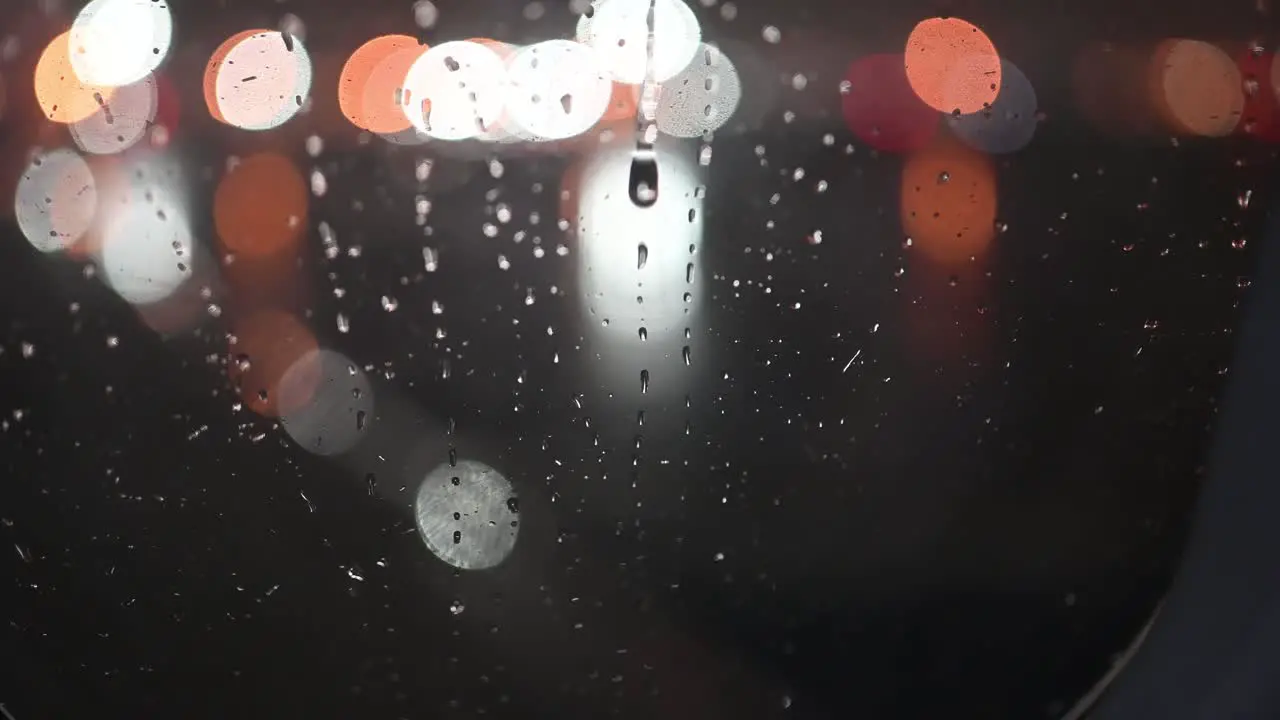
<point>1178,87</point>
<point>482,89</point>
<point>98,77</point>
<point>949,68</point>
<point>947,102</point>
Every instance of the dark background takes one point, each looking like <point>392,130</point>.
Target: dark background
<point>967,528</point>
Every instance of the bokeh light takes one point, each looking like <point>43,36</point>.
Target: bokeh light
<point>325,402</point>
<point>466,515</point>
<point>120,42</point>
<point>372,79</point>
<point>260,206</point>
<point>882,110</point>
<point>121,121</point>
<point>147,249</point>
<point>257,79</point>
<point>559,89</point>
<point>1009,124</point>
<point>56,200</point>
<point>456,90</point>
<point>62,95</point>
<point>1198,89</point>
<point>952,65</point>
<point>619,31</point>
<point>266,345</point>
<point>702,97</point>
<point>949,201</point>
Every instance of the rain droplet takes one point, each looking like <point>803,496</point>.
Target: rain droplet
<point>644,334</point>
<point>688,356</point>
<point>642,185</point>
<point>642,256</point>
<point>644,382</point>
<point>344,325</point>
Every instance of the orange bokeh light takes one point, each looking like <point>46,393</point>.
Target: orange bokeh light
<point>266,345</point>
<point>1196,88</point>
<point>61,95</point>
<point>370,80</point>
<point>952,65</point>
<point>215,66</point>
<point>260,206</point>
<point>949,202</point>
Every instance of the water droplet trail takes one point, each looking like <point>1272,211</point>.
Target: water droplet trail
<point>642,185</point>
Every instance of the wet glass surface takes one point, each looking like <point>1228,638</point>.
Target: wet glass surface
<point>820,361</point>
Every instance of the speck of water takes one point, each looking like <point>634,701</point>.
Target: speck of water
<point>644,334</point>
<point>644,382</point>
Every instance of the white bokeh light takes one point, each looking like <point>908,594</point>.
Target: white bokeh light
<point>262,81</point>
<point>119,42</point>
<point>702,97</point>
<point>56,200</point>
<point>466,515</point>
<point>147,248</point>
<point>559,89</point>
<point>455,91</point>
<point>619,31</point>
<point>639,267</point>
<point>121,122</point>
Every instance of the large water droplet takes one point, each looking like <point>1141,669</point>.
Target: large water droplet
<point>644,334</point>
<point>642,256</point>
<point>644,382</point>
<point>688,356</point>
<point>642,185</point>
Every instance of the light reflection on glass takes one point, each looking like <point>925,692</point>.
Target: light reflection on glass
<point>257,79</point>
<point>120,42</point>
<point>559,89</point>
<point>147,247</point>
<point>326,402</point>
<point>702,97</point>
<point>56,200</point>
<point>466,515</point>
<point>618,30</point>
<point>120,122</point>
<point>455,90</point>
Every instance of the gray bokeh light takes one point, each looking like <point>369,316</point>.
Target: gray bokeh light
<point>467,515</point>
<point>340,408</point>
